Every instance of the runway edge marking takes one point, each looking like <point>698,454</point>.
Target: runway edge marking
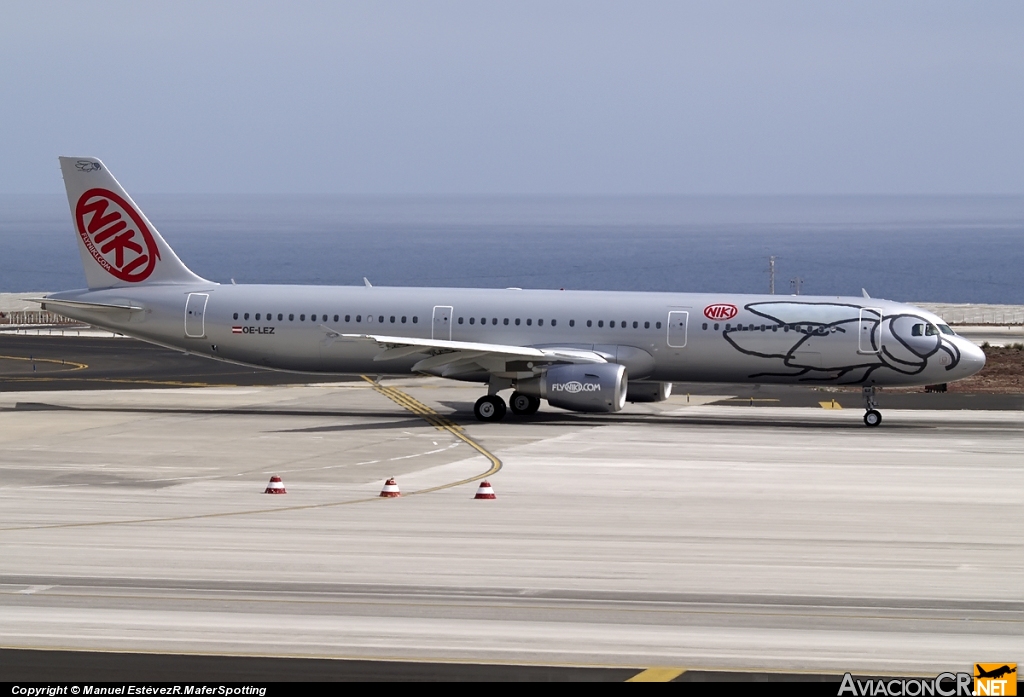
<point>436,420</point>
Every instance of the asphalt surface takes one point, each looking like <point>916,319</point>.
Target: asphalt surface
<point>703,535</point>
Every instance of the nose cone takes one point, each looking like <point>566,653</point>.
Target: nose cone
<point>972,359</point>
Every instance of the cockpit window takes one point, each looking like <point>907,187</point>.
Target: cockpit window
<point>945,329</point>
<point>928,330</point>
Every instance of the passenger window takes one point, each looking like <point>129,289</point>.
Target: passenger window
<point>460,320</point>
<point>517,321</point>
<point>540,323</point>
<point>415,319</point>
<point>257,317</point>
<point>246,315</point>
<point>600,323</point>
<point>494,320</point>
<point>589,323</point>
<point>291,317</point>
<point>403,319</point>
<point>529,322</point>
<point>280,316</point>
<point>359,318</point>
<point>704,326</point>
<point>611,324</point>
<point>302,318</point>
<point>392,319</point>
<point>506,321</point>
<point>348,318</point>
<point>381,319</point>
<point>762,327</point>
<point>472,320</point>
<point>572,323</point>
<point>657,325</point>
<point>554,322</point>
<point>637,324</point>
<point>647,325</point>
<point>728,326</point>
<point>236,315</point>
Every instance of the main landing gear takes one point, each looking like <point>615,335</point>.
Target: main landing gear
<point>872,417</point>
<point>492,407</point>
<point>489,408</point>
<point>523,404</point>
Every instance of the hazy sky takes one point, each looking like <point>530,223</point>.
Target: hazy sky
<point>518,97</point>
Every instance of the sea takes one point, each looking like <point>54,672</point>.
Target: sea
<point>956,249</point>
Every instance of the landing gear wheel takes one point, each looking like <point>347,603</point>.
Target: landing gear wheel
<point>872,418</point>
<point>489,408</point>
<point>523,404</point>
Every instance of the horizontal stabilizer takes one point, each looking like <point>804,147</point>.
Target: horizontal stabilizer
<point>78,304</point>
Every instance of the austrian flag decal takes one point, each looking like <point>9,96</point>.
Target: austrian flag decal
<point>236,330</point>
<point>116,235</point>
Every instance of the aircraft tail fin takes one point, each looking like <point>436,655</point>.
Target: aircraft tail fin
<point>118,244</point>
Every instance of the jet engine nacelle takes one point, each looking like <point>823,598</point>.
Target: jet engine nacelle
<point>648,391</point>
<point>594,387</point>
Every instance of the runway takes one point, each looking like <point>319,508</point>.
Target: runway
<point>697,535</point>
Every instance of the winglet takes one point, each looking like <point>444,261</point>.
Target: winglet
<point>367,282</point>
<point>865,293</point>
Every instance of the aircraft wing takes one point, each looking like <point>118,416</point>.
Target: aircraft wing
<point>448,356</point>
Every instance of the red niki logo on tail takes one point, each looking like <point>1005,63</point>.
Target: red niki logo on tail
<point>116,235</point>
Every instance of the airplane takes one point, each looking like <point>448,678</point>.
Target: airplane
<point>583,351</point>
<point>994,673</point>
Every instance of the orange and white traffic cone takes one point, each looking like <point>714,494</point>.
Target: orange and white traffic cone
<point>484,491</point>
<point>390,490</point>
<point>276,486</point>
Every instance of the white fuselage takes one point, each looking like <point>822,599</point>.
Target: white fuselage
<point>657,336</point>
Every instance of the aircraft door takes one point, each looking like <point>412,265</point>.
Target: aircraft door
<point>195,312</point>
<point>677,329</point>
<point>442,326</point>
<point>869,330</point>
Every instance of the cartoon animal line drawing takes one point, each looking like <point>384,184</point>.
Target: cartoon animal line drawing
<point>87,166</point>
<point>995,673</point>
<point>836,341</point>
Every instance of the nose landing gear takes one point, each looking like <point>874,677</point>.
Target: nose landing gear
<point>872,417</point>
